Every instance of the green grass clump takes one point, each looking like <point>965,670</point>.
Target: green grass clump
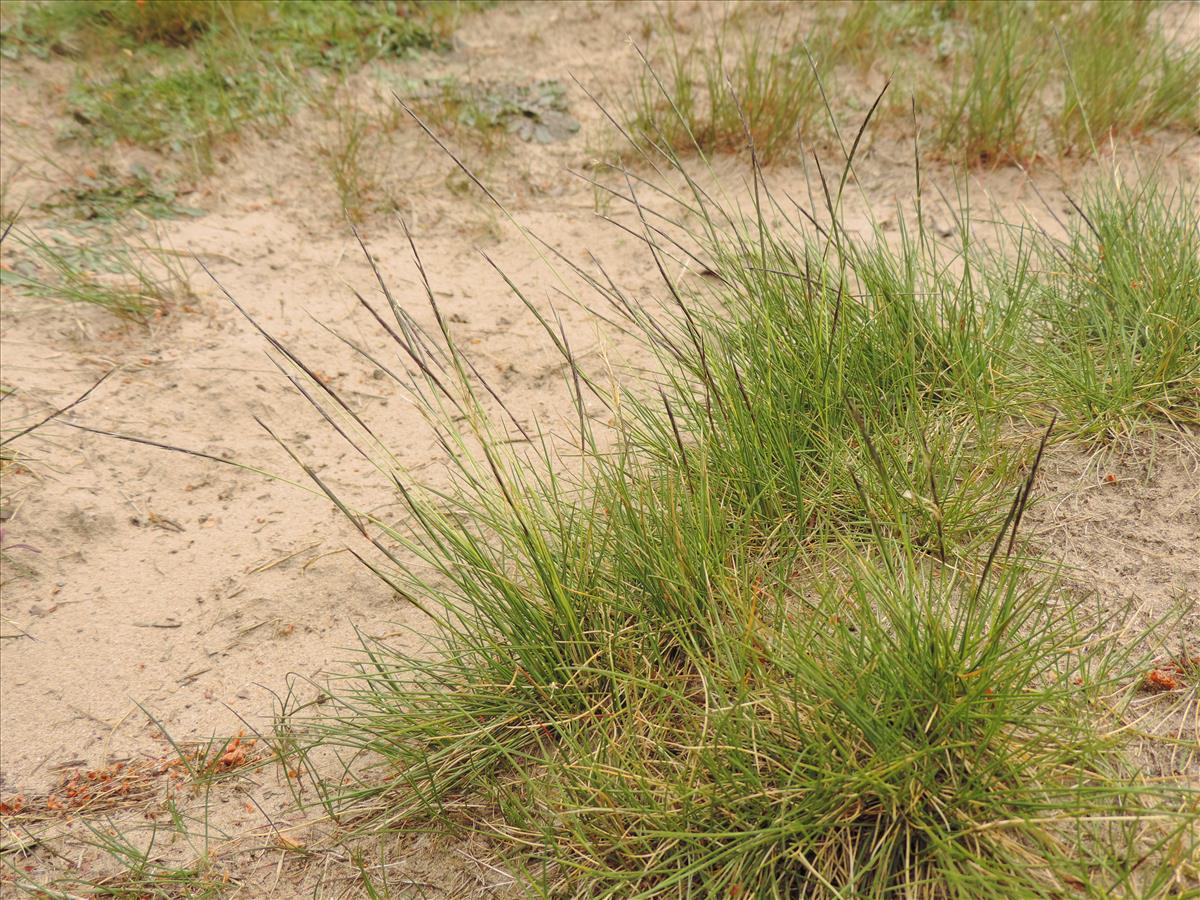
<point>989,114</point>
<point>632,690</point>
<point>682,724</point>
<point>814,368</point>
<point>1122,74</point>
<point>1119,311</point>
<point>717,98</point>
<point>714,649</point>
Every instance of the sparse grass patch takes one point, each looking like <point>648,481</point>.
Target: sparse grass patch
<point>166,860</point>
<point>998,82</point>
<point>185,110</point>
<point>345,35</point>
<point>334,35</point>
<point>355,153</point>
<point>193,72</point>
<point>104,195</point>
<point>125,275</point>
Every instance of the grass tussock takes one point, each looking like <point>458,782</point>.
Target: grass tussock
<point>1117,310</point>
<point>897,731</point>
<point>716,98</point>
<point>808,379</point>
<point>1123,75</point>
<point>989,114</point>
<point>770,634</point>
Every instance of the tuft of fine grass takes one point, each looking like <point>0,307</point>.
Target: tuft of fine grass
<point>1119,310</point>
<point>1122,74</point>
<point>355,154</point>
<point>639,687</point>
<point>989,113</point>
<point>712,98</point>
<point>139,862</point>
<point>810,364</point>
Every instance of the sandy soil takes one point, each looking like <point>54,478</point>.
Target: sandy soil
<point>153,582</point>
